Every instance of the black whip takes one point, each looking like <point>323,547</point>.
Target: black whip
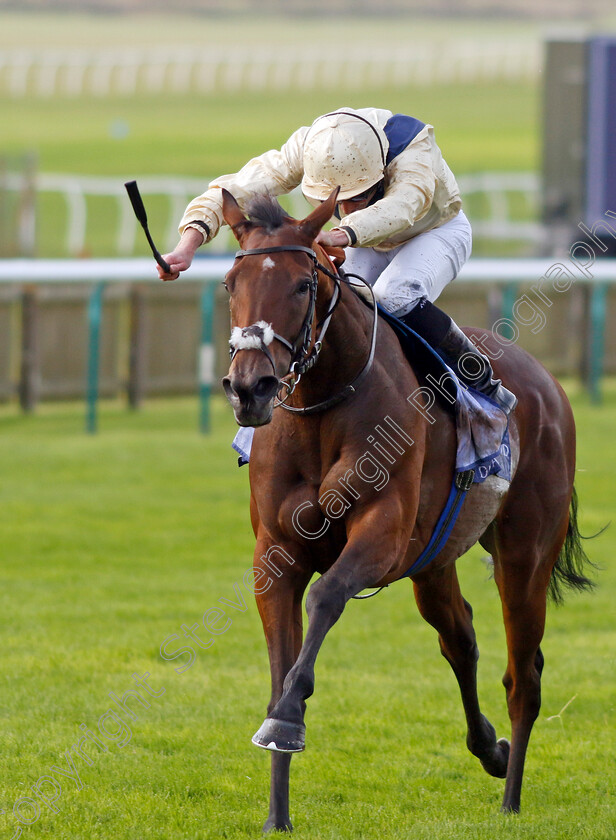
<point>135,199</point>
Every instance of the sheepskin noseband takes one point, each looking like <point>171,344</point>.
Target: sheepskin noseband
<point>253,337</point>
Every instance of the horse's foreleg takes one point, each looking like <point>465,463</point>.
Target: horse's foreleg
<point>356,568</point>
<point>441,604</point>
<point>283,729</point>
<point>280,608</point>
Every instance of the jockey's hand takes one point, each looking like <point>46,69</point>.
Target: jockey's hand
<point>335,237</point>
<point>182,256</point>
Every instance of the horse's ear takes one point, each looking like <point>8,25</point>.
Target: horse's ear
<point>313,223</point>
<point>232,214</point>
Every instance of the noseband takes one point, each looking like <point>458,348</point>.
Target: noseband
<point>301,360</point>
<point>259,336</point>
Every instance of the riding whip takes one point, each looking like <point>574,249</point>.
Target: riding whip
<point>135,199</point>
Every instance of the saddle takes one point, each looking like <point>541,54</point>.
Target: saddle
<point>427,364</point>
<point>482,427</point>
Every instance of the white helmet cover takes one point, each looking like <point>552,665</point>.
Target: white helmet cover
<point>343,149</point>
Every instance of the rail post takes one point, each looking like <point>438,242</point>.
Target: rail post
<point>95,313</point>
<point>30,374</point>
<point>596,339</point>
<point>206,356</point>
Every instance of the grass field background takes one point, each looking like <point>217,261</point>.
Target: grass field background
<point>202,135</point>
<point>481,127</point>
<point>478,129</point>
<point>111,543</point>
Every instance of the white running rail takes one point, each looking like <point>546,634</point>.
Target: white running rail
<point>183,69</point>
<point>495,190</point>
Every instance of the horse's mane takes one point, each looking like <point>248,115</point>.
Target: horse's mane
<point>265,212</point>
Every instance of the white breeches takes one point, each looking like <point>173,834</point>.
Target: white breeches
<point>421,267</point>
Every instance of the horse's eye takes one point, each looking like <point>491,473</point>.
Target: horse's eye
<point>224,283</point>
<point>303,288</point>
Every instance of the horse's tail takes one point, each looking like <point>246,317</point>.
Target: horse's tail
<point>572,559</point>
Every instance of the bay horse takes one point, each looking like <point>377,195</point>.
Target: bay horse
<point>317,506</point>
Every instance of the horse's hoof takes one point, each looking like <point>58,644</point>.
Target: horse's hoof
<point>280,736</point>
<point>496,765</point>
<point>274,825</point>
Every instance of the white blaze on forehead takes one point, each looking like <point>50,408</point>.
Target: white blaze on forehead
<point>268,262</point>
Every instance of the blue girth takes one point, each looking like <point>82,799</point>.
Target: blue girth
<point>462,483</point>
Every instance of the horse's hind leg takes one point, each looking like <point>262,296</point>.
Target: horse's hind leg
<point>522,581</point>
<point>441,604</point>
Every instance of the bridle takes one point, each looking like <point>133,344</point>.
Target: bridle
<point>303,358</point>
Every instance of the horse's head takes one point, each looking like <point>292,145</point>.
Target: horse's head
<point>272,289</point>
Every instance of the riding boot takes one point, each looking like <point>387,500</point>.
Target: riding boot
<point>469,364</point>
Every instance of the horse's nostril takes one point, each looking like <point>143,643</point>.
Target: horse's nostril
<point>266,388</point>
<point>228,387</point>
<point>262,391</point>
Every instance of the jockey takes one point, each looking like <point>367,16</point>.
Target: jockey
<point>400,219</point>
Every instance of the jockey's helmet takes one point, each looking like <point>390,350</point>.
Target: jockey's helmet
<point>345,150</point>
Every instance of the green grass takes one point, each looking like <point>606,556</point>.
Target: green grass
<point>479,127</point>
<point>111,542</point>
<point>159,31</point>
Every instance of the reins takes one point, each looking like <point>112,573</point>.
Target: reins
<point>303,359</point>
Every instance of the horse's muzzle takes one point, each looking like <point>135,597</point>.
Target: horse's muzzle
<point>252,400</point>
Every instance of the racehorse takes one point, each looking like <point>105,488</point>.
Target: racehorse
<point>320,504</point>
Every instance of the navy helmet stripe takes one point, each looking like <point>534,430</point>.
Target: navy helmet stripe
<point>400,131</point>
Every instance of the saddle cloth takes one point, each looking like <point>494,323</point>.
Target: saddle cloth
<point>481,425</point>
